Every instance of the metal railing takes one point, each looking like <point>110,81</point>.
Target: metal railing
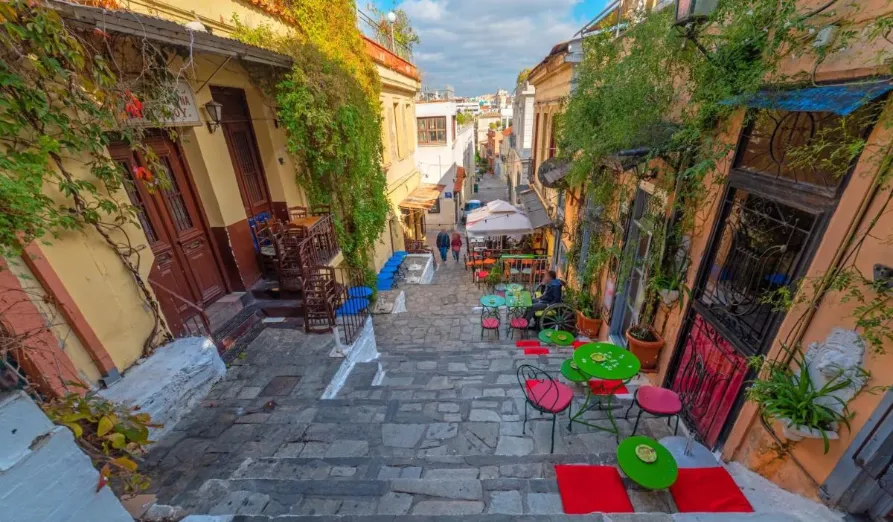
<point>189,325</point>
<point>381,33</point>
<point>336,298</point>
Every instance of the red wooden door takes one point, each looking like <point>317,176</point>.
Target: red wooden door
<point>170,218</point>
<point>243,151</point>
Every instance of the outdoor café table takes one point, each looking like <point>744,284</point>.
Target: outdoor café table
<point>306,222</point>
<point>660,474</point>
<point>492,301</point>
<point>514,287</point>
<point>522,301</point>
<point>611,363</point>
<point>556,337</point>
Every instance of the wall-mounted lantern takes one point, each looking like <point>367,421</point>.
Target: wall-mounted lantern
<point>215,114</point>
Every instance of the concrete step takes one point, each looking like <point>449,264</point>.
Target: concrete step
<point>632,517</point>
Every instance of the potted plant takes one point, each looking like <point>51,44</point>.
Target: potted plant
<point>494,277</point>
<point>589,320</point>
<point>644,342</point>
<point>790,397</point>
<point>670,288</point>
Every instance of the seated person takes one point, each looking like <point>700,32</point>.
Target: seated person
<point>551,294</point>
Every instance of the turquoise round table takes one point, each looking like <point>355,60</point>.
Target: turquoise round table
<point>492,301</point>
<point>660,474</point>
<point>608,362</point>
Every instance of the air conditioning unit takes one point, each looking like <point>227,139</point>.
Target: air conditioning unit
<point>688,11</point>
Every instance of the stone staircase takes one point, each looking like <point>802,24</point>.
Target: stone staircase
<point>427,432</point>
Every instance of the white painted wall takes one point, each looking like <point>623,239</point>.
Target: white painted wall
<point>44,475</point>
<point>438,164</point>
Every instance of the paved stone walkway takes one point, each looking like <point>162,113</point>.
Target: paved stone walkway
<point>438,433</point>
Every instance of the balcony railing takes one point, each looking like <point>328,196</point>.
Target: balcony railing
<point>306,246</point>
<point>380,32</point>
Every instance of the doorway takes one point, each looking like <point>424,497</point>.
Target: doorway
<point>176,231</point>
<point>243,151</point>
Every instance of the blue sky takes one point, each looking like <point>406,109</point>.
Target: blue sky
<point>478,46</point>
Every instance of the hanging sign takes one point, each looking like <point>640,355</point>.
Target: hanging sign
<point>183,114</point>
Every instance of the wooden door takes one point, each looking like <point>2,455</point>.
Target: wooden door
<point>170,218</point>
<point>243,151</point>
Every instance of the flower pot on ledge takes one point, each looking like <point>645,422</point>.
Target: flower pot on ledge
<point>797,433</point>
<point>646,351</point>
<point>587,326</point>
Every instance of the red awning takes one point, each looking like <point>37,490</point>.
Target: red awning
<point>460,179</point>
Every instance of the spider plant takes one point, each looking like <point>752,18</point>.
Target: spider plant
<point>784,393</point>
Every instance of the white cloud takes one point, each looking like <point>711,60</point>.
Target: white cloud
<point>478,46</point>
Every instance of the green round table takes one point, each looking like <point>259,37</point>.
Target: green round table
<point>660,474</point>
<point>556,337</point>
<point>572,373</point>
<point>492,301</point>
<point>612,363</point>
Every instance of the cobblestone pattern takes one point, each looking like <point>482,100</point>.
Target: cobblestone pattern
<point>441,435</point>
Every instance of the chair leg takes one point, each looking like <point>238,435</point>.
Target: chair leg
<point>638,417</point>
<point>554,416</point>
<point>626,415</point>
<point>676,431</point>
<point>524,426</point>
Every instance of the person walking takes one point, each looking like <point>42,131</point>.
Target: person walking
<point>456,245</point>
<point>443,244</point>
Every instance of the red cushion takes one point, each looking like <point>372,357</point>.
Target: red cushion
<point>527,343</point>
<point>551,396</point>
<point>482,274</point>
<point>538,350</point>
<point>658,401</point>
<point>578,344</point>
<point>600,387</point>
<point>592,489</point>
<point>708,490</point>
<point>490,323</point>
<point>519,322</point>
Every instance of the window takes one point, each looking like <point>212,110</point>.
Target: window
<point>454,129</point>
<point>638,245</point>
<point>432,131</point>
<point>436,208</point>
<point>399,130</point>
<point>407,110</point>
<point>553,149</point>
<point>392,131</point>
<point>385,134</point>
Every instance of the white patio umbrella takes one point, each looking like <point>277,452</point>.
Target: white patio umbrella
<point>498,218</point>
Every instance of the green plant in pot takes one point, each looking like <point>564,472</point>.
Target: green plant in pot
<point>786,394</point>
<point>670,288</point>
<point>494,277</point>
<point>643,341</point>
<point>589,319</point>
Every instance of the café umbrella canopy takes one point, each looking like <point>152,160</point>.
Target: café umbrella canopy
<point>498,218</point>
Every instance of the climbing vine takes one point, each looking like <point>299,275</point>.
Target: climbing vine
<point>329,106</point>
<point>665,94</point>
<point>66,95</point>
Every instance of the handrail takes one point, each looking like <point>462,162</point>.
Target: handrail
<point>187,302</point>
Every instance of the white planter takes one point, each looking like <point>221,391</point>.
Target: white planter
<point>668,297</point>
<point>798,433</point>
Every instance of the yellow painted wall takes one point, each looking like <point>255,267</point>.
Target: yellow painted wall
<point>216,14</point>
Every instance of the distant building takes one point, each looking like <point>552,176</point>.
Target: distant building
<point>519,152</point>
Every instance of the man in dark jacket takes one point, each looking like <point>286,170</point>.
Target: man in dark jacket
<point>551,288</point>
<point>443,244</point>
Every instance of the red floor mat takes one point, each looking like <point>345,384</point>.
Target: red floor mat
<point>536,351</point>
<point>592,489</point>
<point>708,490</point>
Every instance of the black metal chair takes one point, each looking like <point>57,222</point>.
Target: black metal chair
<point>544,394</point>
<point>490,320</point>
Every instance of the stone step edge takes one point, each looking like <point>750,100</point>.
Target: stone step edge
<point>598,517</point>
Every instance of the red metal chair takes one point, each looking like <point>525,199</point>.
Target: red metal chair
<point>490,321</point>
<point>544,394</point>
<point>656,401</point>
<point>517,318</point>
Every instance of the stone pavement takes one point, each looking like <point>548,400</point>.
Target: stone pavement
<point>431,429</point>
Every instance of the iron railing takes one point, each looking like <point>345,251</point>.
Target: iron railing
<point>336,298</point>
<point>381,32</point>
<point>190,325</point>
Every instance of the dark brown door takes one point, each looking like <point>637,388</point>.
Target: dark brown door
<point>236,126</point>
<point>170,218</point>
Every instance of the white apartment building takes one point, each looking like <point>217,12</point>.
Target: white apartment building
<point>519,154</point>
<point>445,157</point>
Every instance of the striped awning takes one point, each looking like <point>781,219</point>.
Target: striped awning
<point>424,197</point>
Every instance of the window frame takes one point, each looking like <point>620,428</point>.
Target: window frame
<point>426,131</point>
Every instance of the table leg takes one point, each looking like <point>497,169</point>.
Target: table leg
<point>610,413</point>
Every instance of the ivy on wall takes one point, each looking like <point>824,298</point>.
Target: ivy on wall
<point>329,106</point>
<point>665,89</point>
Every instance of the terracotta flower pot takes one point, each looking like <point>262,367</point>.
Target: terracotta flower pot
<point>646,351</point>
<point>588,327</point>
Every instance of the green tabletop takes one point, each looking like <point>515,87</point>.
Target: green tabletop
<point>520,256</point>
<point>571,373</point>
<point>524,300</point>
<point>558,337</point>
<point>491,301</point>
<point>659,474</point>
<point>512,287</point>
<point>618,364</point>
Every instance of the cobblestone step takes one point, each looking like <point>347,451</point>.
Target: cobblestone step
<point>396,496</point>
<point>632,517</point>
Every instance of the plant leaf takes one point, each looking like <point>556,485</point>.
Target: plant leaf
<point>124,462</point>
<point>105,426</point>
<point>118,440</point>
<point>75,428</point>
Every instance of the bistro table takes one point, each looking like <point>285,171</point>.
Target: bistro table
<point>556,337</point>
<point>514,287</point>
<point>305,222</point>
<point>660,474</point>
<point>492,301</point>
<point>608,362</point>
<point>522,301</point>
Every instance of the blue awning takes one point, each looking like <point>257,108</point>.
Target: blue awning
<point>839,99</point>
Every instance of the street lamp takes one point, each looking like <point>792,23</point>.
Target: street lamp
<point>392,17</point>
